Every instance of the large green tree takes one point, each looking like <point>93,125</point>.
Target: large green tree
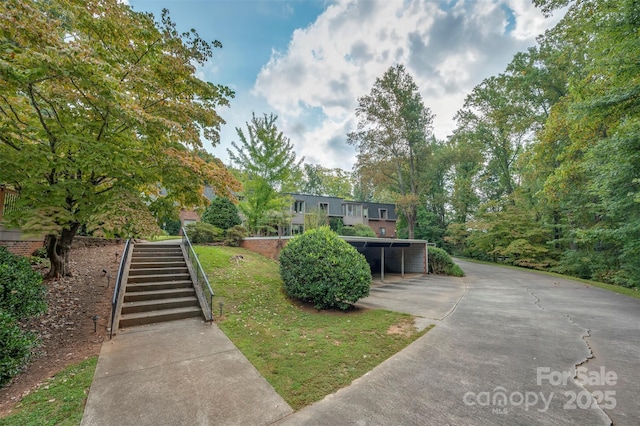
<point>100,108</point>
<point>393,127</point>
<point>319,180</point>
<point>268,166</point>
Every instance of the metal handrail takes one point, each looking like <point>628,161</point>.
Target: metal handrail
<point>200,277</point>
<point>118,285</point>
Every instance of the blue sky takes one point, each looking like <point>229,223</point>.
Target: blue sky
<point>309,61</point>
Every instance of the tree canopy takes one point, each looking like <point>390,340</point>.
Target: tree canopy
<point>391,140</point>
<point>100,108</point>
<point>267,164</point>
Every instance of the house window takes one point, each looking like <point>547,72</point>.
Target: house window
<point>383,214</point>
<point>353,210</point>
<point>324,207</point>
<point>298,207</point>
<point>383,232</point>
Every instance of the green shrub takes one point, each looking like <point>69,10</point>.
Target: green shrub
<point>357,230</point>
<point>15,350</point>
<point>222,213</point>
<point>22,293</point>
<point>321,268</point>
<point>441,263</point>
<point>204,233</point>
<point>40,252</point>
<point>235,235</point>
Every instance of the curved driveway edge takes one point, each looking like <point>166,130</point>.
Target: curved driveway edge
<point>507,355</point>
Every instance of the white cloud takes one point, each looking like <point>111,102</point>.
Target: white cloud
<point>447,47</point>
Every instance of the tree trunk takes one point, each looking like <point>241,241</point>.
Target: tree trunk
<point>58,248</point>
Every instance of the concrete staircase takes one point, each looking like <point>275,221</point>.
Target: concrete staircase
<point>158,287</point>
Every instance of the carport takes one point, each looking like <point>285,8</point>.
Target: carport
<point>392,255</point>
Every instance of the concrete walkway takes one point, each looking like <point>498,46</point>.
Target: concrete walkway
<point>178,373</point>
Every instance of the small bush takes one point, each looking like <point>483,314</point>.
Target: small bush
<point>235,235</point>
<point>40,252</point>
<point>204,233</point>
<point>22,293</point>
<point>15,350</point>
<point>441,263</point>
<point>321,268</point>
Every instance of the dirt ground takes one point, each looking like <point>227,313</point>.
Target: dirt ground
<point>66,331</point>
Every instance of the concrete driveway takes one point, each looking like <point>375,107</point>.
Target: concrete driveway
<point>506,350</point>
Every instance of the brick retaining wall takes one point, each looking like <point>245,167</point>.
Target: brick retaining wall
<point>267,246</point>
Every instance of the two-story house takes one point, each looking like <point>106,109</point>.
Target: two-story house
<point>380,217</point>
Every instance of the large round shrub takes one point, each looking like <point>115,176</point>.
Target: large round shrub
<point>441,263</point>
<point>320,268</point>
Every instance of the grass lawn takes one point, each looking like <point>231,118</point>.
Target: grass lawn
<point>304,353</point>
<point>60,401</point>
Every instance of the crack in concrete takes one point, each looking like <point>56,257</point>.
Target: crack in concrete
<point>458,302</point>
<point>585,361</point>
<point>537,302</point>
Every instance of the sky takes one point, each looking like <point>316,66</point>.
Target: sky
<point>308,61</point>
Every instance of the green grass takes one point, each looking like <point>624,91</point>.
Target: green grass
<point>304,353</point>
<point>631,292</point>
<point>59,401</point>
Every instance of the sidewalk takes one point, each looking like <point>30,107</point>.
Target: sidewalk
<point>178,373</point>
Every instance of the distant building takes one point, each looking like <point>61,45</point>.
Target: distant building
<point>380,217</point>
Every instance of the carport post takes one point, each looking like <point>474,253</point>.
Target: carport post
<point>426,256</point>
<point>382,266</point>
<point>402,264</point>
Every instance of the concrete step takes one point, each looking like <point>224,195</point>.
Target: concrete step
<point>133,279</point>
<point>154,286</point>
<point>141,318</point>
<point>155,254</point>
<point>159,304</point>
<point>169,293</point>
<point>171,263</point>
<point>137,271</point>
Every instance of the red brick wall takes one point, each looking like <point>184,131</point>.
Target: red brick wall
<point>22,248</point>
<point>268,247</point>
<point>389,225</point>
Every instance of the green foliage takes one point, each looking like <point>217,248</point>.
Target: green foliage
<point>318,180</point>
<point>100,108</point>
<point>357,230</point>
<point>321,268</point>
<point>204,233</point>
<point>234,235</point>
<point>441,263</point>
<point>171,226</point>
<point>15,350</point>
<point>22,293</point>
<point>393,127</point>
<point>315,218</point>
<point>267,165</point>
<point>222,213</point>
